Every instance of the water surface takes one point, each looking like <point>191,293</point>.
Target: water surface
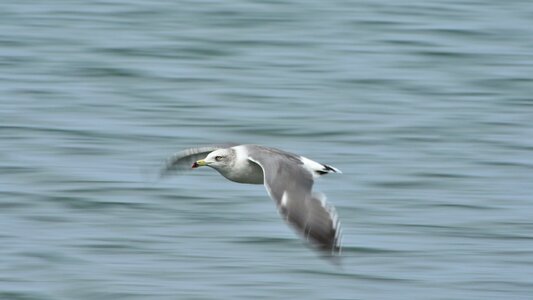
<point>425,107</point>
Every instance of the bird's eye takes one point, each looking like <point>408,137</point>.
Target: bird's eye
<point>218,158</point>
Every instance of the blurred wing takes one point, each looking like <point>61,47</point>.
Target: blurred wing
<point>290,185</point>
<point>183,160</point>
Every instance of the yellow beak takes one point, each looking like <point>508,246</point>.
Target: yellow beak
<point>199,163</point>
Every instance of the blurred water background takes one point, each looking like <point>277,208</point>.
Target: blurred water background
<point>427,107</point>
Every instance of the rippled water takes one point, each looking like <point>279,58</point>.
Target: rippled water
<point>426,107</point>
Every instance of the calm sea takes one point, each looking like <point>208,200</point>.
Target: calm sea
<point>426,106</point>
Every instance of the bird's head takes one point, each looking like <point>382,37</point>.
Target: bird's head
<point>217,159</point>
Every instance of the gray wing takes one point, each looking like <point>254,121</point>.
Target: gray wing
<point>290,185</point>
<point>183,160</point>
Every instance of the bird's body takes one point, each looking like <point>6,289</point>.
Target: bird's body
<point>245,170</point>
<point>288,179</point>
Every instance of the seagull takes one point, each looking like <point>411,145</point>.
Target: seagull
<point>288,179</point>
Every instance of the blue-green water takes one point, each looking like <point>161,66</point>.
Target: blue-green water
<point>427,107</point>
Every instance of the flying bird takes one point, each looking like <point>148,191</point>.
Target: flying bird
<point>288,179</point>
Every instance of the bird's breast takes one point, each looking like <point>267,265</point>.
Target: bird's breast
<point>244,172</point>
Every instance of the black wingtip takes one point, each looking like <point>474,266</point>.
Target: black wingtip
<point>327,169</point>
<point>332,169</point>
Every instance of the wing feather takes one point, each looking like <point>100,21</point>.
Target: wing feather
<point>289,184</point>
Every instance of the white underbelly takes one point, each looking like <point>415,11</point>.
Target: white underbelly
<point>245,173</point>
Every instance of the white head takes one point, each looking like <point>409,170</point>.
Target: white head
<point>218,159</point>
